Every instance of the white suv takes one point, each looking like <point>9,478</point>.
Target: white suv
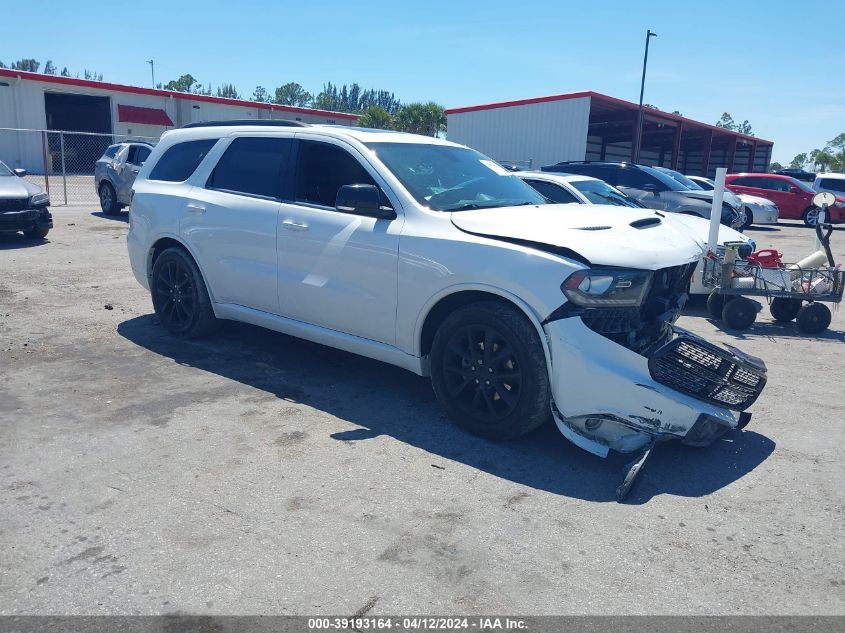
<point>430,256</point>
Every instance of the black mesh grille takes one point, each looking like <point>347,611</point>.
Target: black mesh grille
<point>707,372</point>
<point>13,204</point>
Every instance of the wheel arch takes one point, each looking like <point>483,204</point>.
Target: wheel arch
<point>439,307</point>
<point>164,242</point>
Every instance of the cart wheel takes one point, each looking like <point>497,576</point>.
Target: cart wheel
<point>813,318</point>
<point>715,304</point>
<point>784,309</point>
<point>739,313</point>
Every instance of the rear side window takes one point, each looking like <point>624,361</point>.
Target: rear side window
<point>111,151</point>
<point>776,184</point>
<point>253,166</point>
<point>747,181</point>
<point>141,154</point>
<point>179,162</point>
<point>322,169</point>
<point>553,192</point>
<point>834,184</point>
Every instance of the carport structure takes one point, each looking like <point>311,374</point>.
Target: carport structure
<point>592,126</point>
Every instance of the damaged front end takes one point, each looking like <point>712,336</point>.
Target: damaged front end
<point>626,376</point>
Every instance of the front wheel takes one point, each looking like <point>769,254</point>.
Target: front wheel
<point>811,216</point>
<point>37,232</point>
<point>740,313</point>
<point>813,318</point>
<point>489,372</point>
<point>180,298</point>
<point>747,219</point>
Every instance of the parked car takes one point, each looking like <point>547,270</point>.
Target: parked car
<point>798,174</point>
<point>571,189</point>
<point>24,206</point>
<point>115,173</point>
<point>650,187</point>
<point>832,182</point>
<point>793,197</point>
<point>430,256</point>
<point>755,210</point>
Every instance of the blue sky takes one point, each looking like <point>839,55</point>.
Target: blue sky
<point>766,62</point>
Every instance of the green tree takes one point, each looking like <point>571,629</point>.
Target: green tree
<point>727,122</point>
<point>28,65</point>
<point>49,68</point>
<point>421,118</point>
<point>823,159</point>
<point>93,75</point>
<point>228,91</point>
<point>745,128</point>
<point>292,94</point>
<point>260,94</point>
<point>185,83</point>
<point>376,117</point>
<point>65,72</point>
<point>799,161</point>
<point>775,166</point>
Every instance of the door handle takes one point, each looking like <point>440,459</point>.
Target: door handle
<point>290,225</point>
<point>193,207</point>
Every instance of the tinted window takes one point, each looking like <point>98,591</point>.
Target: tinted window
<point>599,192</point>
<point>253,166</point>
<point>747,181</point>
<point>706,185</point>
<point>775,184</point>
<point>179,162</point>
<point>322,169</point>
<point>141,154</point>
<point>553,192</point>
<point>833,183</point>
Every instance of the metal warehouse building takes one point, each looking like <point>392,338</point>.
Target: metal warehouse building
<point>34,101</point>
<point>592,126</point>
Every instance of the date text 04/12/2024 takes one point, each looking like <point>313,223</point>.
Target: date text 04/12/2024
<point>417,623</point>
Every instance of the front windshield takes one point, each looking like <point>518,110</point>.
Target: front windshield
<point>4,171</point>
<point>803,186</point>
<point>447,178</point>
<point>599,192</point>
<point>668,181</point>
<point>689,184</point>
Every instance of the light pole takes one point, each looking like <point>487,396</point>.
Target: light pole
<point>639,136</point>
<point>153,73</point>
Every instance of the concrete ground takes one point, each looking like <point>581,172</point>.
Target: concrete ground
<point>253,473</point>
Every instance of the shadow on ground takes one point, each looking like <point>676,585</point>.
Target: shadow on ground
<point>122,216</point>
<point>11,241</point>
<point>380,399</point>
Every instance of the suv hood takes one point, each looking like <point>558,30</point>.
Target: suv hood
<point>601,234</point>
<point>14,187</point>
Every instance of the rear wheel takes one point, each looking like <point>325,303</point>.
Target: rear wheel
<point>784,309</point>
<point>813,318</point>
<point>179,295</point>
<point>108,199</point>
<point>739,313</point>
<point>488,370</point>
<point>811,216</point>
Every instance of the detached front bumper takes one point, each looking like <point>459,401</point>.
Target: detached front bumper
<point>26,219</point>
<point>607,397</point>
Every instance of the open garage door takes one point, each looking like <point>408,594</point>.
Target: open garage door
<point>78,113</point>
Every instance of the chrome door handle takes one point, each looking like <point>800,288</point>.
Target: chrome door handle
<point>290,225</point>
<point>195,208</point>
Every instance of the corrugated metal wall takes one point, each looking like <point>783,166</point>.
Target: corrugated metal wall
<point>542,133</point>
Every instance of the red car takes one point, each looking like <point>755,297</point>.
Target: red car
<point>793,197</point>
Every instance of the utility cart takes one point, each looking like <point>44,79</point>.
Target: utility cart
<point>793,291</point>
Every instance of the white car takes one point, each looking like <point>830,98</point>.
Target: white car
<point>428,255</point>
<point>757,210</point>
<point>832,182</point>
<point>575,189</point>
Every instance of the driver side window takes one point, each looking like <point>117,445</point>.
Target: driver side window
<point>322,169</point>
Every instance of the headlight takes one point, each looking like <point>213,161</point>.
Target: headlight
<point>39,200</point>
<point>607,287</point>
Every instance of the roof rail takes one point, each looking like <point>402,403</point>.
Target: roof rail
<point>261,122</point>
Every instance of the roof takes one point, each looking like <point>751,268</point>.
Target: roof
<point>147,116</point>
<point>105,85</point>
<point>611,102</point>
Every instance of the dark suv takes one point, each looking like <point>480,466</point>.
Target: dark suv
<point>651,188</point>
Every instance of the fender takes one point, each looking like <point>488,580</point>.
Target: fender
<point>182,243</point>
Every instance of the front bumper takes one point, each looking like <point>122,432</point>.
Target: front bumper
<point>605,396</point>
<point>764,215</point>
<point>26,219</point>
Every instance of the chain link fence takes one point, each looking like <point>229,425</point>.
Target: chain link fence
<point>62,163</point>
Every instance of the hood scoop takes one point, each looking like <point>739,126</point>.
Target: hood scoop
<point>644,223</point>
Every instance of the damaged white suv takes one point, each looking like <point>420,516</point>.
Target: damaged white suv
<point>430,256</point>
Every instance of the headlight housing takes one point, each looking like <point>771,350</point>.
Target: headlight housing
<point>607,287</point>
<point>39,200</point>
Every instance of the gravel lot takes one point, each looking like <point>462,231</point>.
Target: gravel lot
<point>252,473</point>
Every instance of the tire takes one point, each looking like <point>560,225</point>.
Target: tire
<point>180,298</point>
<point>748,219</point>
<point>810,216</point>
<point>813,318</point>
<point>512,395</point>
<point>740,313</point>
<point>108,199</point>
<point>37,233</point>
<point>784,309</point>
<point>715,304</point>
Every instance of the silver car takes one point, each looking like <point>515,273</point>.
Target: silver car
<point>23,205</point>
<point>115,172</point>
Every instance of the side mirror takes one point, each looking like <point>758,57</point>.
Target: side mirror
<point>362,200</point>
<point>20,173</point>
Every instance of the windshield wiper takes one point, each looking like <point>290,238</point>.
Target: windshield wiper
<point>469,206</point>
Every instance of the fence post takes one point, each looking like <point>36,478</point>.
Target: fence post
<point>64,173</point>
<point>44,158</point>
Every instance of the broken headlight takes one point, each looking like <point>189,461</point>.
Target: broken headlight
<point>607,287</point>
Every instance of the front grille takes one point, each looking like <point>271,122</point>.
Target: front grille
<point>695,367</point>
<point>13,204</point>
